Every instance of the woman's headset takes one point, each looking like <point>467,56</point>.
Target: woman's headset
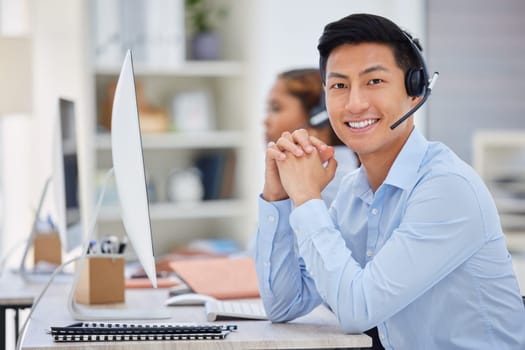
<point>318,116</point>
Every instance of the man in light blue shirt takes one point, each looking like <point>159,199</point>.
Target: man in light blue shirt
<point>412,243</point>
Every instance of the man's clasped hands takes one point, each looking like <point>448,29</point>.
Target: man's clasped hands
<point>298,166</point>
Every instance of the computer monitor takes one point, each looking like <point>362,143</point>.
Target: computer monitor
<point>130,179</point>
<point>128,164</point>
<point>64,181</point>
<point>66,175</point>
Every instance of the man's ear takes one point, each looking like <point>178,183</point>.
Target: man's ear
<point>415,100</point>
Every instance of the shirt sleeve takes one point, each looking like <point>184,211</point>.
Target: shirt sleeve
<point>434,235</point>
<point>286,289</point>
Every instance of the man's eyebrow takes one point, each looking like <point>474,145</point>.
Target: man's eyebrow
<point>374,69</point>
<point>337,75</point>
<point>364,72</point>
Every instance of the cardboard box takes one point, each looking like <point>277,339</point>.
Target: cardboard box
<point>101,281</point>
<point>46,248</point>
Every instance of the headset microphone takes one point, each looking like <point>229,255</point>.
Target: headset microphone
<point>417,82</point>
<point>428,91</point>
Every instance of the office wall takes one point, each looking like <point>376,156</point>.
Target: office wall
<point>14,152</point>
<point>60,69</point>
<point>478,47</point>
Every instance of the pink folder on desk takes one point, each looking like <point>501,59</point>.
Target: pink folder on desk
<point>162,282</point>
<point>222,278</point>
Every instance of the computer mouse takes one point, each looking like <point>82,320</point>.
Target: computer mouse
<point>188,299</point>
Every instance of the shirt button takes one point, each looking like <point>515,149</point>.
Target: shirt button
<point>369,252</point>
<point>271,218</point>
<point>375,211</point>
<point>381,336</point>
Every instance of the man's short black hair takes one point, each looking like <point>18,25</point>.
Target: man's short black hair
<point>366,28</point>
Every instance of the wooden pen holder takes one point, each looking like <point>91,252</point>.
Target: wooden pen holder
<point>47,248</point>
<point>101,281</point>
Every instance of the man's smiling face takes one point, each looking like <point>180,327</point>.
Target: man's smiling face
<point>365,94</point>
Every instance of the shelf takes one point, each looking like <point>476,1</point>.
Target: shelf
<point>188,69</point>
<point>499,138</point>
<point>512,222</point>
<point>499,157</point>
<point>173,140</point>
<point>510,205</point>
<point>160,79</point>
<point>224,208</point>
<point>515,241</point>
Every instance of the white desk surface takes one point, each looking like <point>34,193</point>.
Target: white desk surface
<point>317,330</point>
<point>15,290</point>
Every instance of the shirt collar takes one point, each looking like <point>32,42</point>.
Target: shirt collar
<point>361,188</point>
<point>408,161</point>
<point>403,170</point>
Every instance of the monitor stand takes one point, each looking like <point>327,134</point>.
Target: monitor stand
<point>108,312</point>
<point>23,270</point>
<point>85,313</point>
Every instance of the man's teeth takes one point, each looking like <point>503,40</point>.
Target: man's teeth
<point>361,124</point>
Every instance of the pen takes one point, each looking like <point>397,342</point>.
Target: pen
<point>92,248</point>
<point>122,245</point>
<point>109,245</point>
<point>50,222</point>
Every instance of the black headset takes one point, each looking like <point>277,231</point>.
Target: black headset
<point>416,78</point>
<point>417,81</point>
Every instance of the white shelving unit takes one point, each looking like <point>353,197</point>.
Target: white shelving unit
<point>499,157</point>
<point>156,147</point>
<point>186,69</point>
<point>167,141</point>
<point>176,223</point>
<point>173,211</point>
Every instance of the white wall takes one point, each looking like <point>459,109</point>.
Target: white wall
<point>63,69</point>
<point>14,146</point>
<point>60,69</point>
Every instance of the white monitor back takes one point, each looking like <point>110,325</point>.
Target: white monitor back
<point>128,164</point>
<point>129,172</point>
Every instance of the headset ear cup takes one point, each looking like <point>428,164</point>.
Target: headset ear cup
<point>415,82</point>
